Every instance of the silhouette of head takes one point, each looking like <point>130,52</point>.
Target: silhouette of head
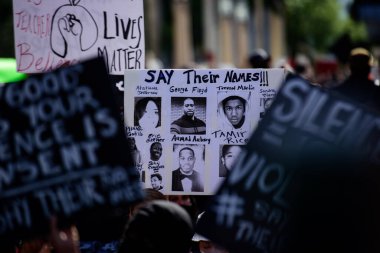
<point>259,59</point>
<point>360,62</point>
<point>143,235</point>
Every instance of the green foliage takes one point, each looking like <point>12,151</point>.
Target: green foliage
<point>356,30</point>
<point>313,23</point>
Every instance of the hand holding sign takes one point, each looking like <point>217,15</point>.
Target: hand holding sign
<point>64,241</point>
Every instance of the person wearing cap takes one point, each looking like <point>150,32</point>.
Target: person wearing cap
<point>150,194</point>
<point>358,86</point>
<point>143,233</point>
<point>204,244</point>
<point>259,59</point>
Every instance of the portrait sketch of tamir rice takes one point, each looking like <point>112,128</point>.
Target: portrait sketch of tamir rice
<point>189,168</point>
<point>188,115</point>
<point>234,111</point>
<point>228,156</point>
<point>147,113</point>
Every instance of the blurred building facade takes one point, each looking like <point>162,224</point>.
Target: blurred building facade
<point>213,33</point>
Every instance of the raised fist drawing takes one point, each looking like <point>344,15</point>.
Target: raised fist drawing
<point>72,27</point>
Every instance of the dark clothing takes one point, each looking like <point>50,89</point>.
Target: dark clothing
<point>99,247</point>
<point>188,125</point>
<point>177,176</point>
<point>362,90</point>
<point>143,232</point>
<point>159,188</point>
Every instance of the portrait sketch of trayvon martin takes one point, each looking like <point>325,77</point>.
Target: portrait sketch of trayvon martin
<point>234,111</point>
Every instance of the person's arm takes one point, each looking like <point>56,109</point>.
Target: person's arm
<point>64,241</point>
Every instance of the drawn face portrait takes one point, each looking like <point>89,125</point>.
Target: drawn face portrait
<point>186,161</point>
<point>230,152</point>
<point>132,143</point>
<point>150,116</point>
<point>188,107</point>
<point>155,151</point>
<point>234,110</point>
<point>267,103</point>
<point>156,182</point>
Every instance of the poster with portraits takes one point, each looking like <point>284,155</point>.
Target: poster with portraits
<point>189,125</point>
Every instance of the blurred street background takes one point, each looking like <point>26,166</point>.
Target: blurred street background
<point>223,33</point>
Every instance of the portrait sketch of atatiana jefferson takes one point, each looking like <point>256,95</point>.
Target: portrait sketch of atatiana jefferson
<point>147,113</point>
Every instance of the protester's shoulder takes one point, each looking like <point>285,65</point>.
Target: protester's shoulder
<point>351,85</point>
<point>99,247</point>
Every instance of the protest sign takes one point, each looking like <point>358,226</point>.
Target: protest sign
<point>301,183</point>
<point>63,150</point>
<point>51,34</point>
<point>201,110</point>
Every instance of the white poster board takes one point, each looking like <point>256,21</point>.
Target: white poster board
<point>51,34</point>
<point>163,119</point>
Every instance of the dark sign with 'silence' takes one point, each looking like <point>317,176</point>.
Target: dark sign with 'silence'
<point>285,190</point>
<point>62,149</point>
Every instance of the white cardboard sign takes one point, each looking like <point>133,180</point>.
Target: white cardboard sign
<point>51,34</point>
<point>204,130</point>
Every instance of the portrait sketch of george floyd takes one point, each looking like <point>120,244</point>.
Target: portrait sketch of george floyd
<point>189,115</point>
